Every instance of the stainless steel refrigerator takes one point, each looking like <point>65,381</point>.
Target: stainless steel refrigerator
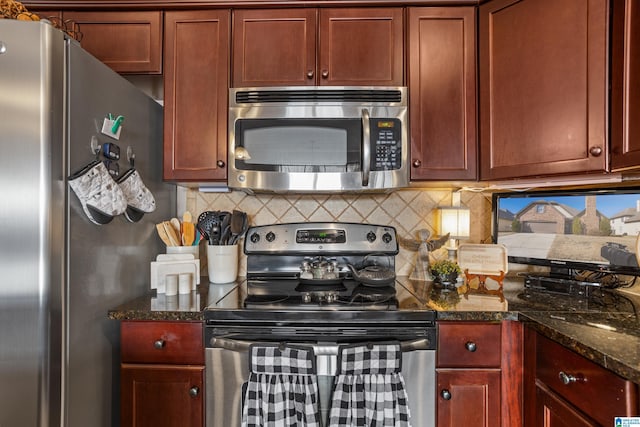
<point>59,272</point>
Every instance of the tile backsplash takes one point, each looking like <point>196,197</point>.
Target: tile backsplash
<point>408,210</point>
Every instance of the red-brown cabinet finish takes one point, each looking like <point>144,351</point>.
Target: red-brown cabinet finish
<point>162,395</point>
<point>543,87</point>
<point>468,371</point>
<point>309,46</point>
<point>469,344</point>
<point>594,391</point>
<point>360,46</point>
<point>468,397</point>
<point>196,82</point>
<point>625,85</point>
<point>162,374</point>
<point>274,47</point>
<point>442,93</point>
<point>555,412</point>
<point>128,42</point>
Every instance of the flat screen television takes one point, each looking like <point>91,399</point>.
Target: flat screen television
<point>571,232</point>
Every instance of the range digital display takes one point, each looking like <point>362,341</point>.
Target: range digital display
<point>321,236</point>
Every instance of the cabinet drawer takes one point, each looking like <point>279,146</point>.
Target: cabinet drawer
<point>162,342</point>
<point>469,344</point>
<point>597,392</point>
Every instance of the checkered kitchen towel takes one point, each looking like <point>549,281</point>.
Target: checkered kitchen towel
<point>369,389</point>
<point>282,390</point>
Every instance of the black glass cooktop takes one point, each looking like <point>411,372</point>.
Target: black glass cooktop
<point>330,295</point>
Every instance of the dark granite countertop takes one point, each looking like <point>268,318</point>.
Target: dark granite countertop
<point>604,327</point>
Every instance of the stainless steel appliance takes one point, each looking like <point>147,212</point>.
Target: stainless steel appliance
<point>59,354</point>
<point>318,139</point>
<point>302,287</point>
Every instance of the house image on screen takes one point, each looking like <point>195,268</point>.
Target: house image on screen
<point>546,216</point>
<point>627,221</point>
<point>505,220</point>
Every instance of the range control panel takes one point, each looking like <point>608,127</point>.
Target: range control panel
<point>386,137</point>
<point>320,238</point>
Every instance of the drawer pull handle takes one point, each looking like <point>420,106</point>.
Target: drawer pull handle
<point>159,344</point>
<point>568,378</point>
<point>194,391</point>
<point>446,394</point>
<point>471,346</point>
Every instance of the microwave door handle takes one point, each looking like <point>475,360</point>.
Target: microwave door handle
<point>366,148</point>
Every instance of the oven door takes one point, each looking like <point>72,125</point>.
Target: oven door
<point>227,371</point>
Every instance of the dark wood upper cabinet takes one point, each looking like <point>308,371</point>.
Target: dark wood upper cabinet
<point>361,46</point>
<point>297,47</point>
<point>625,85</point>
<point>442,93</point>
<point>543,87</point>
<point>128,42</point>
<point>196,87</point>
<point>274,47</point>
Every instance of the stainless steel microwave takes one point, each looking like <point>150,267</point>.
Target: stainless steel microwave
<point>318,139</point>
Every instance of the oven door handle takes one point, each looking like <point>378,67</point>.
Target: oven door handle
<point>366,148</point>
<point>319,349</point>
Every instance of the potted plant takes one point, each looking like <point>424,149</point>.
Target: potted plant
<point>445,271</point>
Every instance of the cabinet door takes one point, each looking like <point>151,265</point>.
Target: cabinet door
<point>442,93</point>
<point>274,47</point>
<point>551,411</point>
<point>361,46</point>
<point>196,81</point>
<point>543,87</point>
<point>625,95</point>
<point>128,42</point>
<point>55,16</point>
<point>468,397</point>
<point>162,395</point>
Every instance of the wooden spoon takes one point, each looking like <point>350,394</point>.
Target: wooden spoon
<point>171,234</point>
<point>188,229</point>
<point>163,234</point>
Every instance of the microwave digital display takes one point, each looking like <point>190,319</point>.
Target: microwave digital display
<point>386,124</point>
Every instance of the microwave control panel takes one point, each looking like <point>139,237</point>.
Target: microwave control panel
<point>386,137</point>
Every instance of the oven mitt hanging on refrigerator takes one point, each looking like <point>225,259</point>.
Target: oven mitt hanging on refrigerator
<point>101,197</point>
<point>139,198</point>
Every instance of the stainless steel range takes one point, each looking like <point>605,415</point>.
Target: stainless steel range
<point>321,285</point>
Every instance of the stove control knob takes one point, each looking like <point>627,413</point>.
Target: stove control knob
<point>255,238</point>
<point>330,298</point>
<point>386,237</point>
<point>306,298</point>
<point>371,237</point>
<point>270,236</point>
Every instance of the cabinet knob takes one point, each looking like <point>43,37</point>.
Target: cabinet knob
<point>446,394</point>
<point>471,346</point>
<point>595,151</point>
<point>325,74</point>
<point>310,74</point>
<point>220,163</point>
<point>159,344</point>
<point>194,391</point>
<point>417,163</point>
<point>568,378</point>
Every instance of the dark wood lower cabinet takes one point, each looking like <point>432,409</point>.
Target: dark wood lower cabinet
<point>552,411</point>
<point>162,374</point>
<point>162,395</point>
<point>468,397</point>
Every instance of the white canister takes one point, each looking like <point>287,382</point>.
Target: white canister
<point>192,250</point>
<point>222,263</point>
